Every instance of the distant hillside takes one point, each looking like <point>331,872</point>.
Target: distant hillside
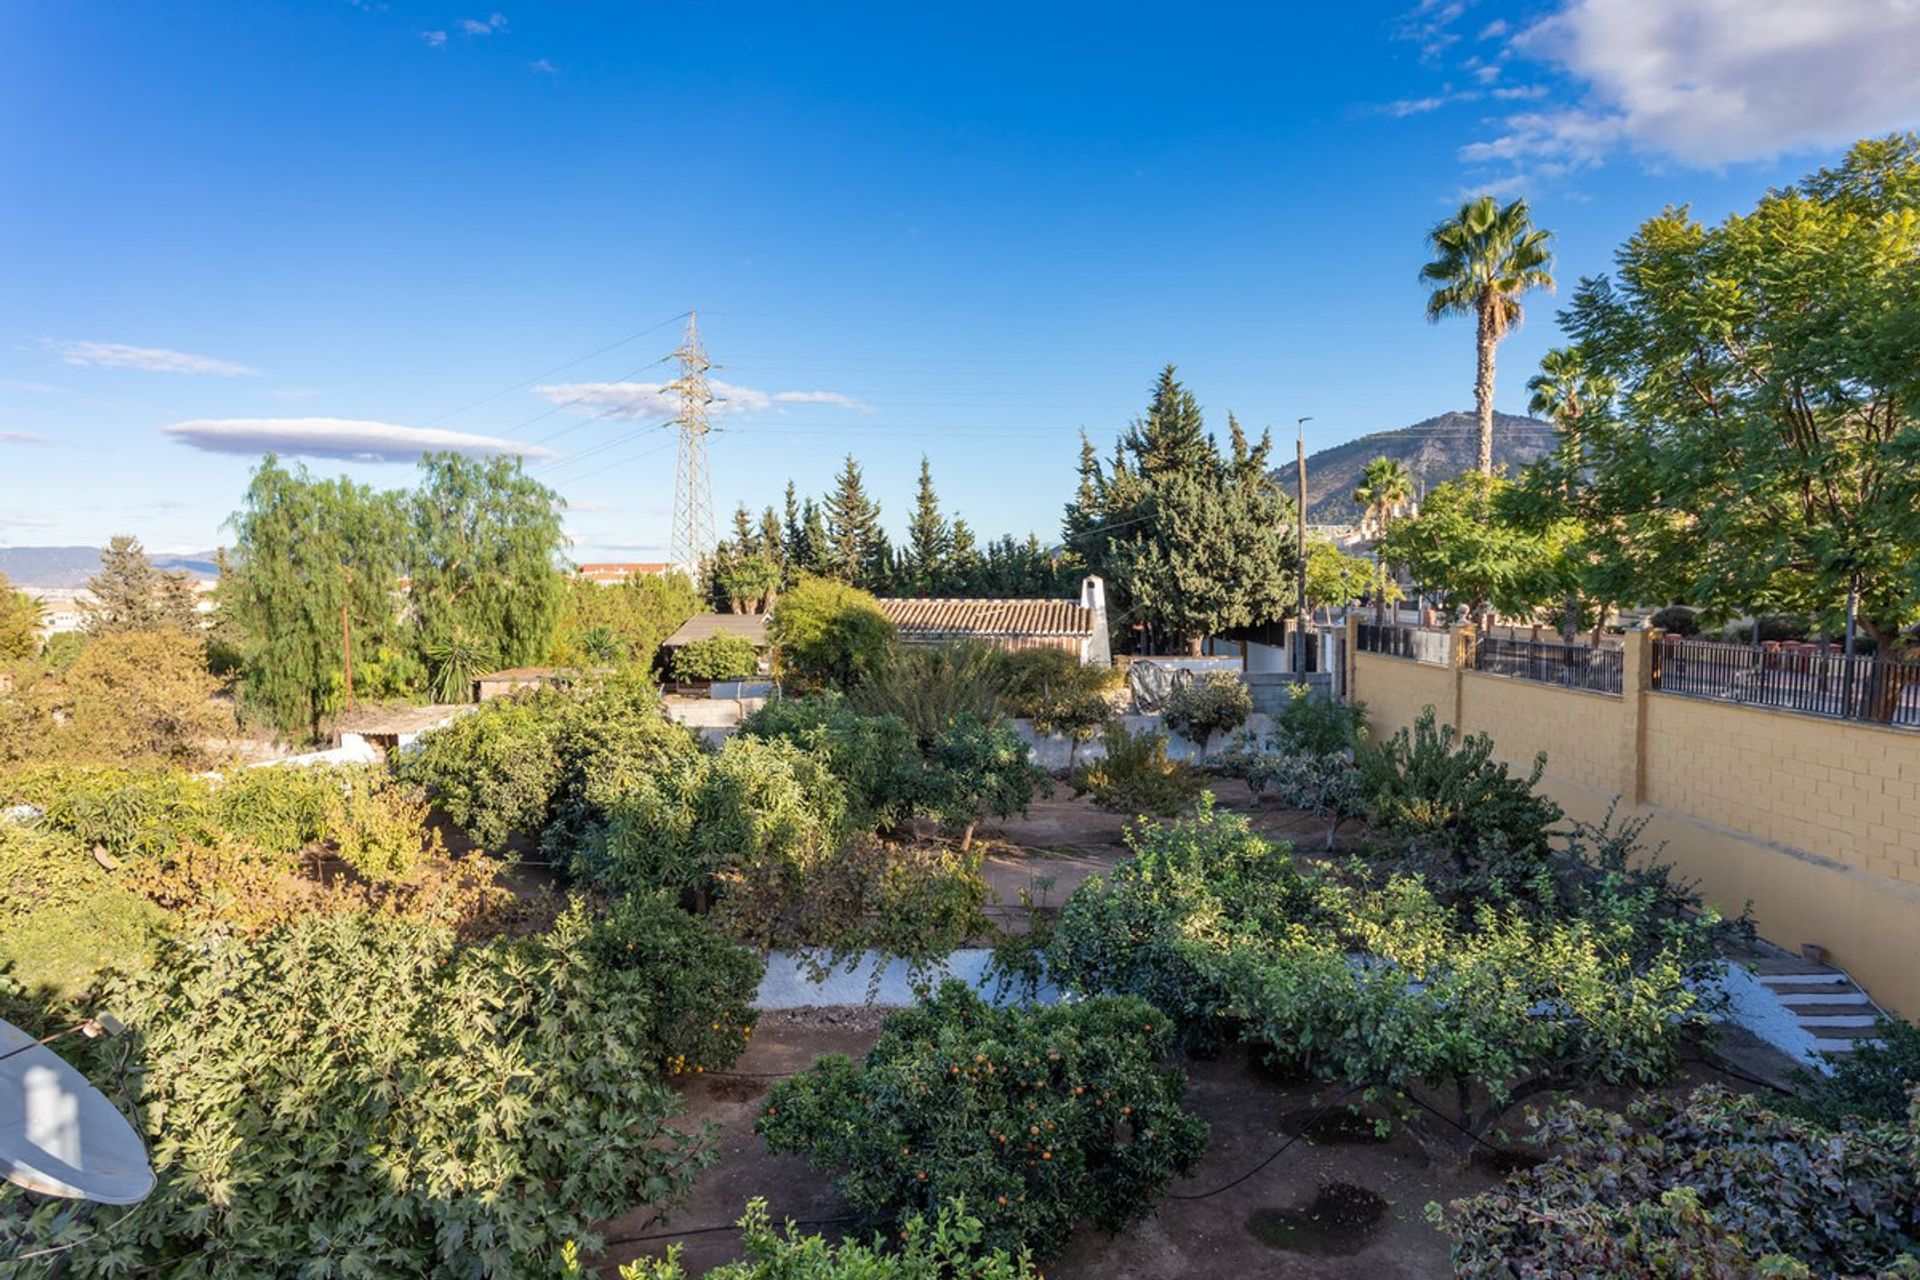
<point>72,566</point>
<point>1435,450</point>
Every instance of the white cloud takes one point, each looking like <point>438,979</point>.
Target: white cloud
<point>24,437</point>
<point>626,400</point>
<point>434,39</point>
<point>543,67</point>
<point>475,27</point>
<point>347,438</point>
<point>589,506</point>
<point>153,359</point>
<point>25,520</point>
<point>35,388</point>
<point>1711,82</point>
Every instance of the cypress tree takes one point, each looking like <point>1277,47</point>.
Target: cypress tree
<point>929,538</point>
<point>853,523</point>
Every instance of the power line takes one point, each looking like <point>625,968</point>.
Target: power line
<point>692,538</point>
<point>559,368</point>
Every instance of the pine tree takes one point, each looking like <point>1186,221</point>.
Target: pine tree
<point>965,568</point>
<point>772,543</point>
<point>742,527</point>
<point>814,549</point>
<point>930,540</point>
<point>129,594</point>
<point>853,522</point>
<point>1190,542</point>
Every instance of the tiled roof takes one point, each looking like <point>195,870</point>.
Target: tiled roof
<point>705,626</point>
<point>989,618</point>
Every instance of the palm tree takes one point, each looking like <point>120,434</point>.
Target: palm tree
<point>1384,485</point>
<point>1568,391</point>
<point>1484,258</point>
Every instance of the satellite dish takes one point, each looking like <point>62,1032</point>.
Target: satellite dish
<point>60,1136</point>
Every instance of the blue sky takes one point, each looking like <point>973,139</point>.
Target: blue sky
<point>964,231</point>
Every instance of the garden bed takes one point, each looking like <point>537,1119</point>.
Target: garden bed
<point>1266,1225</point>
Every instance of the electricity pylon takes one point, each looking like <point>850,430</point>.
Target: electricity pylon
<point>693,487</point>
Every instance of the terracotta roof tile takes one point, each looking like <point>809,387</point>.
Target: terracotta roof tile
<point>988,619</point>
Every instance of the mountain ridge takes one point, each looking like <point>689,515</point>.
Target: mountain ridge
<point>1434,450</point>
<point>72,566</point>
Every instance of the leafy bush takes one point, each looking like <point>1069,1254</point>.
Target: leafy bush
<point>1211,876</point>
<point>738,830</point>
<point>357,1095</point>
<point>495,769</point>
<point>131,696</point>
<point>1716,1186</point>
<point>929,686</point>
<point>1463,817</point>
<point>1135,775</point>
<point>1677,619</point>
<point>376,825</point>
<point>62,915</point>
<point>1492,1004</point>
<point>608,741</point>
<point>975,770</point>
<point>948,1249</point>
<point>1038,1116</point>
<point>1059,693</point>
<point>1212,702</point>
<point>1315,726</point>
<point>1872,1084</point>
<point>716,658</point>
<point>875,756</point>
<point>827,634</point>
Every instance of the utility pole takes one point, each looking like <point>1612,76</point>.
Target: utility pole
<point>693,485</point>
<point>346,645</point>
<point>1300,513</point>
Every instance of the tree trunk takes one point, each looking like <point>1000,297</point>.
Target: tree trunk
<point>1485,340</point>
<point>966,838</point>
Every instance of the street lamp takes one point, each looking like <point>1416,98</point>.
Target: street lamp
<point>1300,514</point>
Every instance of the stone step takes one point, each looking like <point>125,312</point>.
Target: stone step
<point>1845,1018</point>
<point>1816,992</point>
<point>1772,971</point>
<point>1824,1033</point>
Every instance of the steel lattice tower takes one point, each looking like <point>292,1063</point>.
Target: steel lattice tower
<point>693,487</point>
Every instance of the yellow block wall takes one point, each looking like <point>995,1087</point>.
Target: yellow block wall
<point>1815,822</point>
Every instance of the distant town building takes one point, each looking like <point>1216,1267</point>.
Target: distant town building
<point>613,572</point>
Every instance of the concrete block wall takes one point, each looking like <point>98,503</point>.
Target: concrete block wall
<point>1815,822</point>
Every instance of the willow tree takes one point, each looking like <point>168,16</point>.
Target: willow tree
<point>1764,453</point>
<point>1484,258</point>
<point>483,556</point>
<point>312,571</point>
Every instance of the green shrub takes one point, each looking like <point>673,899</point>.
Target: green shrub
<point>716,658</point>
<point>495,769</point>
<point>827,634</point>
<point>698,1011</point>
<point>1035,1118</point>
<point>62,916</point>
<point>1463,818</point>
<point>1059,693</point>
<point>1871,1084</point>
<point>948,1249</point>
<point>1211,876</point>
<point>738,830</point>
<point>1716,1185</point>
<point>1212,702</point>
<point>975,770</point>
<point>376,825</point>
<point>1677,619</point>
<point>874,756</point>
<point>1135,775</point>
<point>929,686</point>
<point>356,1095</point>
<point>1315,726</point>
<point>609,741</point>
